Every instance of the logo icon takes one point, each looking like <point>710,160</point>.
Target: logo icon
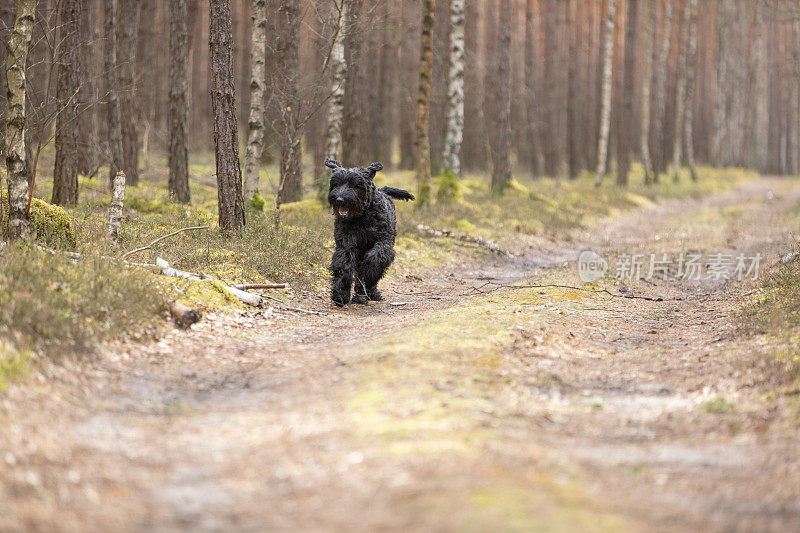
<point>591,266</point>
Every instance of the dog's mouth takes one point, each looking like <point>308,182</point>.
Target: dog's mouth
<point>343,211</point>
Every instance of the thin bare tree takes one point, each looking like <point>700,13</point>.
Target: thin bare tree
<point>113,114</point>
<point>500,140</point>
<point>644,139</point>
<point>65,171</point>
<point>127,32</point>
<point>659,115</point>
<point>178,183</point>
<point>625,133</point>
<point>691,74</point>
<point>423,145</point>
<point>605,98</point>
<point>223,103</point>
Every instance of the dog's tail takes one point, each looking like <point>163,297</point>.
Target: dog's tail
<point>399,194</point>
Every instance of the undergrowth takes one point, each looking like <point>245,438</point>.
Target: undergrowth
<point>52,304</point>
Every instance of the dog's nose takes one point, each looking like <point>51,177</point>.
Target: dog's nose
<point>339,199</point>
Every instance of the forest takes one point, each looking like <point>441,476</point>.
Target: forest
<point>583,217</point>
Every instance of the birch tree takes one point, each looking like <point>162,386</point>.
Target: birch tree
<point>258,88</point>
<point>19,225</point>
<point>455,90</point>
<point>333,123</point>
<point>178,183</point>
<point>649,49</point>
<point>659,114</point>
<point>223,103</point>
<point>423,145</point>
<point>605,98</point>
<point>65,171</point>
<point>113,115</point>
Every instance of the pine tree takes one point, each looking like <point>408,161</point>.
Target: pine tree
<point>178,183</point>
<point>423,146</point>
<point>605,98</point>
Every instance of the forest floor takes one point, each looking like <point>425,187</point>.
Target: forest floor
<point>459,403</point>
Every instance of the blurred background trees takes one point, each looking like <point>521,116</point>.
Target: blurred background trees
<point>525,86</point>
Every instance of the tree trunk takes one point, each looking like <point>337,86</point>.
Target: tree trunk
<point>680,99</point>
<point>223,103</point>
<point>178,102</point>
<point>649,48</point>
<point>291,187</point>
<point>65,172</point>
<point>113,118</point>
<point>625,131</point>
<point>127,31</point>
<point>573,108</point>
<point>87,129</point>
<point>500,144</point>
<point>19,225</point>
<point>455,90</point>
<point>725,19</point>
<point>659,115</point>
<point>333,125</point>
<point>353,40</point>
<point>423,167</point>
<point>691,71</point>
<point>255,122</point>
<point>605,99</point>
<point>531,93</point>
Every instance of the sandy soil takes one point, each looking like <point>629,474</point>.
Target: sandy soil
<point>470,406</point>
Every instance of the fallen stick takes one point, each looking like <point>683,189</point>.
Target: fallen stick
<point>167,270</point>
<point>184,315</point>
<point>479,241</point>
<point>249,286</point>
<point>126,254</point>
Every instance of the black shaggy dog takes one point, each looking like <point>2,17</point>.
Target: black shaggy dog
<point>364,231</point>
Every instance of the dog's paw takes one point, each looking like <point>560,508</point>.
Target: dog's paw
<point>360,299</point>
<point>375,295</point>
<point>340,298</point>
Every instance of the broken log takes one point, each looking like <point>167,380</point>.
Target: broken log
<point>184,315</point>
<point>250,286</point>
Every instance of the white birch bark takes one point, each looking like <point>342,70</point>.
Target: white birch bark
<point>605,98</point>
<point>255,123</point>
<point>455,90</point>
<point>19,226</point>
<point>115,209</point>
<point>333,129</point>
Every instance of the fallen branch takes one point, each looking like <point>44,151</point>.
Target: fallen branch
<point>601,291</point>
<point>126,254</point>
<point>175,273</point>
<point>249,286</point>
<point>480,241</point>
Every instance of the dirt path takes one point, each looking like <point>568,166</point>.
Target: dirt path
<point>513,409</point>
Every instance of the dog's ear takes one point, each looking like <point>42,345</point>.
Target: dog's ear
<point>374,168</point>
<point>332,163</point>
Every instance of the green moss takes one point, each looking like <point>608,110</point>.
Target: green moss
<point>718,405</point>
<point>53,224</point>
<point>449,187</point>
<point>13,364</point>
<point>257,202</point>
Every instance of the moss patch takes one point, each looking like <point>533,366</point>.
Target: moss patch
<point>53,224</point>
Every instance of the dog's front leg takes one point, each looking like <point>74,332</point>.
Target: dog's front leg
<point>342,266</point>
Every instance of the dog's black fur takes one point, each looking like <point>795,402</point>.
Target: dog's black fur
<point>364,231</point>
